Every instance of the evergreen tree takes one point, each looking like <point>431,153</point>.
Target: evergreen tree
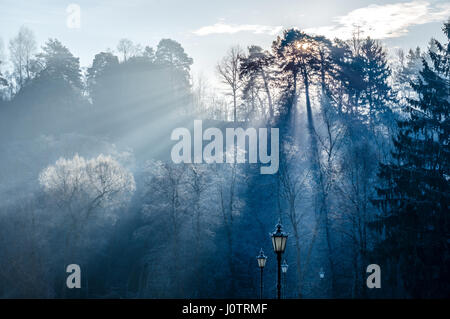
<point>100,76</point>
<point>414,224</point>
<point>377,96</point>
<point>50,101</point>
<point>58,63</point>
<point>345,91</point>
<point>171,54</point>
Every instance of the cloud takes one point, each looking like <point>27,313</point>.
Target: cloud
<point>223,28</point>
<point>384,21</point>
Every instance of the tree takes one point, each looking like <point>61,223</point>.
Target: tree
<point>297,55</point>
<point>377,94</point>
<point>227,179</point>
<point>126,48</point>
<point>307,60</point>
<point>166,186</point>
<point>171,53</point>
<point>354,184</point>
<point>22,48</point>
<point>407,71</point>
<point>256,65</point>
<point>102,61</point>
<point>414,198</point>
<point>198,182</point>
<point>80,187</point>
<point>149,53</point>
<point>49,100</point>
<point>348,78</point>
<point>58,64</point>
<point>174,61</point>
<point>292,180</point>
<point>3,81</point>
<point>102,68</point>
<point>228,70</point>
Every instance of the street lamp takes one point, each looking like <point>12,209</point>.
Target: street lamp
<point>284,269</point>
<point>261,264</point>
<point>321,273</point>
<point>279,239</point>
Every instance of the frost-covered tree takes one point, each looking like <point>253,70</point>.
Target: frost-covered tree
<point>293,177</point>
<point>81,186</point>
<point>407,71</point>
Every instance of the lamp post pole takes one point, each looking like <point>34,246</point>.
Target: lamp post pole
<point>284,268</point>
<point>261,285</point>
<point>261,264</point>
<point>279,275</point>
<point>279,239</point>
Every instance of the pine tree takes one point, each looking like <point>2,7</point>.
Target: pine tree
<point>60,64</point>
<point>414,223</point>
<point>257,65</point>
<point>377,95</point>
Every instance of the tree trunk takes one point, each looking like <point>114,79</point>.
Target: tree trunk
<point>269,96</point>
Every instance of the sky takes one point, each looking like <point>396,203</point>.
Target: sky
<point>207,28</point>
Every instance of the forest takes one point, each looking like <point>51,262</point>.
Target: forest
<point>86,176</point>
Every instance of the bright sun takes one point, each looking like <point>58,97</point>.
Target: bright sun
<point>302,45</point>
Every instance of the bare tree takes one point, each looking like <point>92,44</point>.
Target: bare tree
<point>167,182</point>
<point>79,187</point>
<point>126,48</point>
<point>228,70</point>
<point>22,48</point>
<point>292,179</point>
<point>355,189</point>
<point>330,137</point>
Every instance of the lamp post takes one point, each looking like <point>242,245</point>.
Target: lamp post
<point>284,269</point>
<point>321,273</point>
<point>261,264</point>
<point>279,239</point>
